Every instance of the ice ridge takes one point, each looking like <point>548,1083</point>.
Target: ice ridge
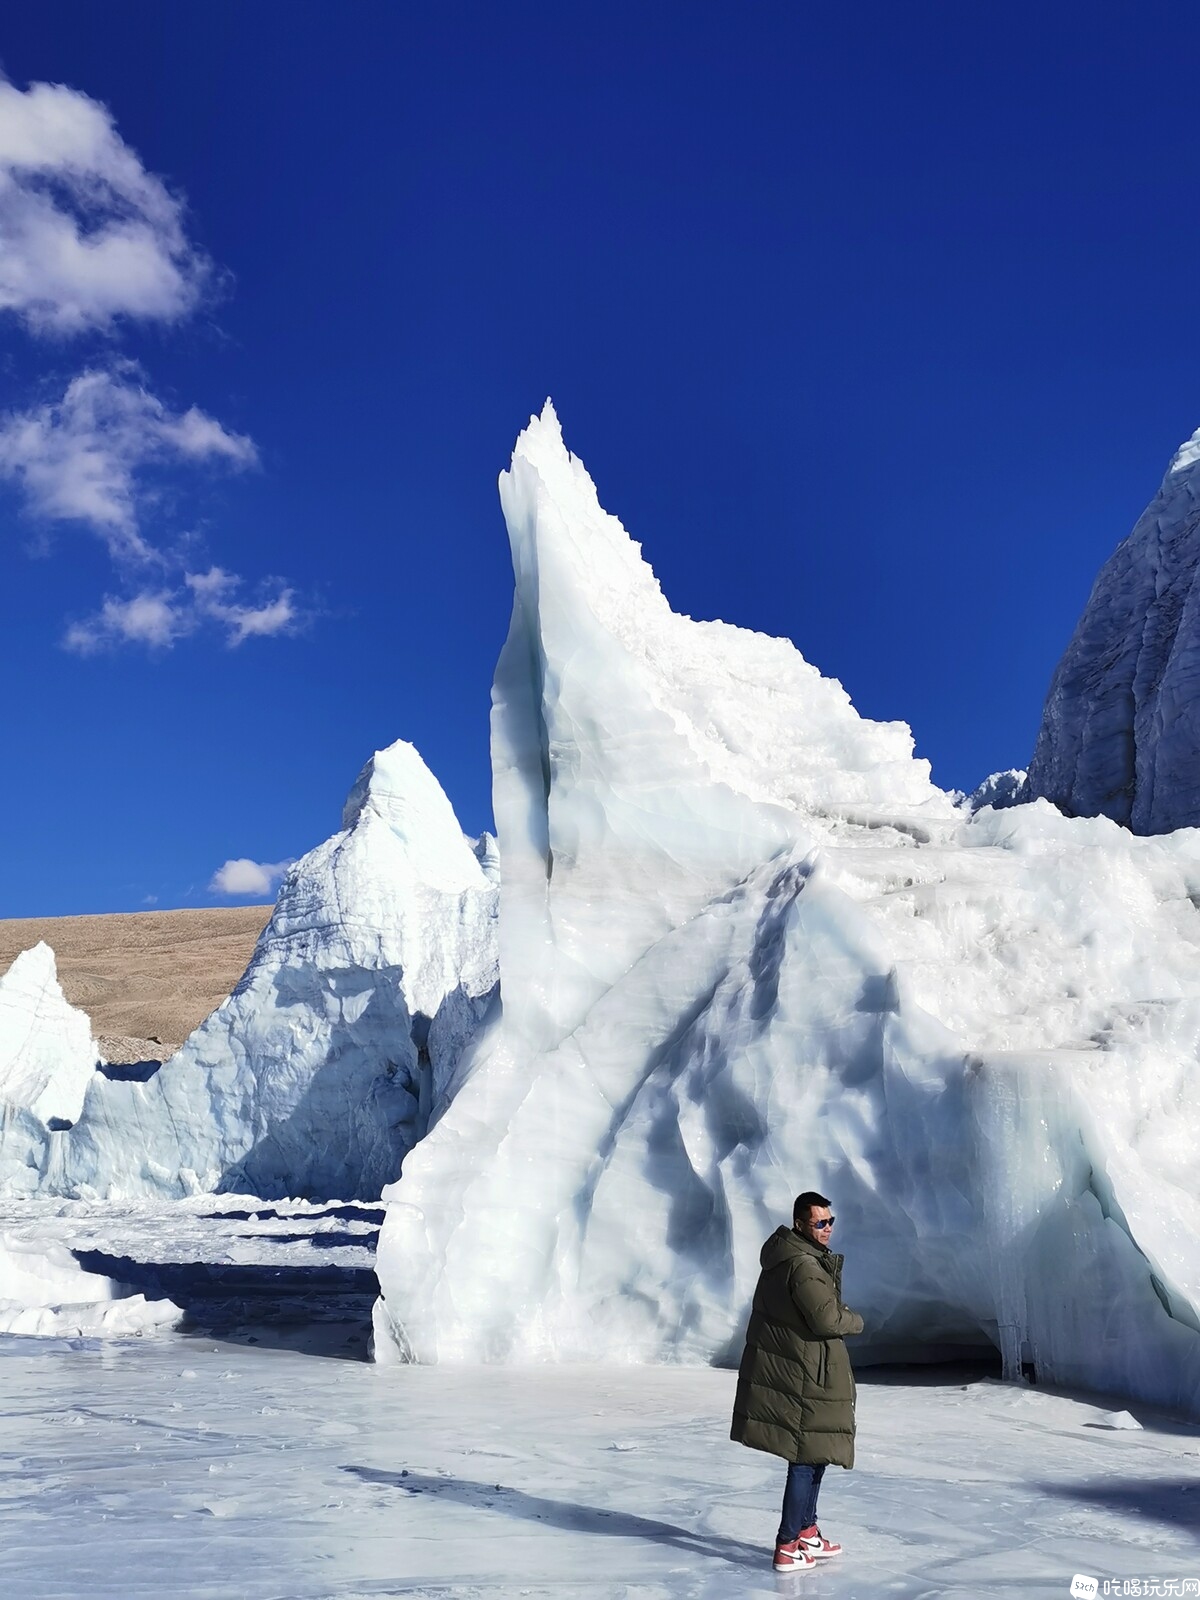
<point>317,1075</point>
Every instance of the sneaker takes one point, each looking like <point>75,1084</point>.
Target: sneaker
<point>817,1545</point>
<point>792,1557</point>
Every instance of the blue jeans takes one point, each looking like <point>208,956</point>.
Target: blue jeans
<point>800,1499</point>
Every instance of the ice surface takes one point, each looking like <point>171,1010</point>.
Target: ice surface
<point>47,1053</point>
<point>747,948</point>
<point>140,1470</point>
<point>1121,728</point>
<point>317,1074</point>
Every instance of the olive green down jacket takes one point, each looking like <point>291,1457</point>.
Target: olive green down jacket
<point>795,1393</point>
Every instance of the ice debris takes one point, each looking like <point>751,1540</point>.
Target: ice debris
<point>44,1291</point>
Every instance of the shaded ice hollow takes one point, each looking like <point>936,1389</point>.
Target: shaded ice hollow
<point>746,946</point>
<point>317,1074</point>
<point>1120,733</point>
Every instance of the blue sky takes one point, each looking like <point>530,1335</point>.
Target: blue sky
<point>871,323</point>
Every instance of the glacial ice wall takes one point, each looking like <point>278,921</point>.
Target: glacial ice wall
<point>642,762</point>
<point>1120,732</point>
<point>317,1074</point>
<point>747,947</point>
<point>47,1053</point>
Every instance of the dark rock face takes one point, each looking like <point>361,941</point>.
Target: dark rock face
<point>1120,734</point>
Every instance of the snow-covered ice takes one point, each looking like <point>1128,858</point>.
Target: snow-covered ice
<point>746,947</point>
<point>1120,732</point>
<point>316,1075</point>
<point>47,1053</point>
<point>999,789</point>
<point>242,1230</point>
<point>45,1291</point>
<point>208,1470</point>
<point>244,1267</point>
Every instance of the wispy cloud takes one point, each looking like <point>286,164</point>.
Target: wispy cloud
<point>81,458</point>
<point>87,235</point>
<point>150,618</point>
<point>213,595</point>
<point>89,240</point>
<point>159,618</point>
<point>245,877</point>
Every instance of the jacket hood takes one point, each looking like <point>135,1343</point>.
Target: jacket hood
<point>786,1244</point>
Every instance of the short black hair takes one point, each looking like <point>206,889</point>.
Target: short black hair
<point>802,1208</point>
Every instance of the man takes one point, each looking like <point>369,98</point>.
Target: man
<point>795,1393</point>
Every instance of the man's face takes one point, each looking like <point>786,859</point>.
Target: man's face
<point>819,1225</point>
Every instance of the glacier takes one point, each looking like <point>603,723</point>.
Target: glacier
<point>742,945</point>
<point>1120,732</point>
<point>316,1076</point>
<point>747,947</point>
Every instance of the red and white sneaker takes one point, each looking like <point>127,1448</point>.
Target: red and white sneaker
<point>792,1557</point>
<point>817,1545</point>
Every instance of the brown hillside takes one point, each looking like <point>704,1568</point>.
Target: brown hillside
<point>146,978</point>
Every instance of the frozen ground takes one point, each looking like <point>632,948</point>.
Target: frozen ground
<point>253,1454</point>
<point>200,1468</point>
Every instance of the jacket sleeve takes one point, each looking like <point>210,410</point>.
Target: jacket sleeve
<point>817,1301</point>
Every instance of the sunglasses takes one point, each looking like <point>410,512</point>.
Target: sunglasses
<point>827,1223</point>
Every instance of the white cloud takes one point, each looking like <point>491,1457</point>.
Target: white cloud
<point>151,618</point>
<point>213,596</point>
<point>158,618</point>
<point>89,238</point>
<point>87,235</point>
<point>242,876</point>
<point>79,458</point>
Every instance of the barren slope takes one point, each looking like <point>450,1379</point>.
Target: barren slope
<point>146,978</point>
